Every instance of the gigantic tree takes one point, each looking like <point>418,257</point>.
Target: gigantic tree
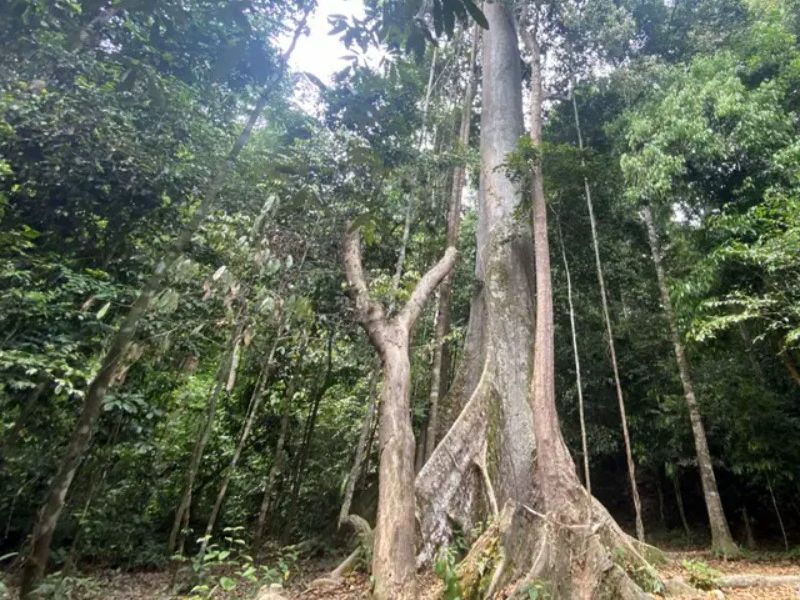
<point>504,455</point>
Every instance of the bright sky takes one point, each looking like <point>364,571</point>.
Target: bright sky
<point>320,53</point>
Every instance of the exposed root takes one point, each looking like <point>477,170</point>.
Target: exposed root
<point>364,549</point>
<point>334,578</point>
<point>563,554</point>
<point>448,484</point>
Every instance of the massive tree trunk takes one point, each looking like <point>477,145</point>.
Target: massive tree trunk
<point>601,281</point>
<point>393,565</point>
<point>49,514</point>
<point>486,457</point>
<point>446,288</point>
<point>549,528</point>
<point>721,539</point>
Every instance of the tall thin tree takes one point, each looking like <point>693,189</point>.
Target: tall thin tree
<point>576,356</point>
<point>721,539</point>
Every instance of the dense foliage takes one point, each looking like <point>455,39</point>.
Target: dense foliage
<point>114,118</point>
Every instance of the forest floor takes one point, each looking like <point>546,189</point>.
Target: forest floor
<point>356,586</point>
<point>111,585</point>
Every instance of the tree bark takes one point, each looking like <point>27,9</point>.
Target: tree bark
<point>487,413</point>
<point>446,288</point>
<point>601,281</point>
<point>721,539</point>
<point>95,394</point>
<point>393,566</point>
<point>555,472</point>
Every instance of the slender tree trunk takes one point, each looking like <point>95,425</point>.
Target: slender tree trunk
<point>278,460</point>
<point>308,433</point>
<point>578,383</point>
<point>255,405</point>
<point>637,504</point>
<point>778,514</point>
<point>750,541</point>
<point>206,426</point>
<point>660,492</point>
<point>446,288</point>
<point>676,486</point>
<point>361,450</point>
<point>393,562</point>
<point>721,539</point>
<point>95,394</point>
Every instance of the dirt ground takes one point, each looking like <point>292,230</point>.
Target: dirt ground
<point>773,565</point>
<point>153,585</point>
<point>356,586</point>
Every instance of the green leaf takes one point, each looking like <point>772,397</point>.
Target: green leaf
<point>103,310</point>
<point>227,583</point>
